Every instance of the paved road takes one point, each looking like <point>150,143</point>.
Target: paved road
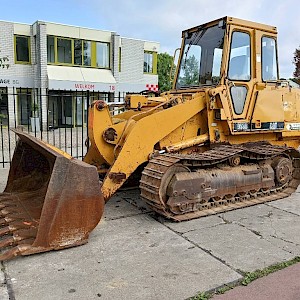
<point>132,254</point>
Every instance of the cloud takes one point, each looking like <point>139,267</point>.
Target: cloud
<point>163,21</point>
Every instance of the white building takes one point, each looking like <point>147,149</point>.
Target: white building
<point>67,63</point>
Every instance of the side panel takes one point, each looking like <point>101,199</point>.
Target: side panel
<point>268,112</point>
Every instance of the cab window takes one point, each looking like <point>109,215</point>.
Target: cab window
<point>239,62</point>
<point>269,59</point>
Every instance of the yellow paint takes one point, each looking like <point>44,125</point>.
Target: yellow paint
<point>191,120</point>
<point>140,141</point>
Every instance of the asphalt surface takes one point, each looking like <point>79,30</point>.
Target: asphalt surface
<point>133,254</point>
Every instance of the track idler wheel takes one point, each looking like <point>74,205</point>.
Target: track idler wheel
<point>283,170</point>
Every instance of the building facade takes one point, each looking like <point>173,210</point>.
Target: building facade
<point>48,69</point>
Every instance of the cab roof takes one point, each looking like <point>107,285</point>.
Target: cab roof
<point>234,21</point>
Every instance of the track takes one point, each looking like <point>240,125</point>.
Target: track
<point>254,159</point>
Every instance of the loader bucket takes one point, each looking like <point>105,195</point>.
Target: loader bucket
<point>51,200</point>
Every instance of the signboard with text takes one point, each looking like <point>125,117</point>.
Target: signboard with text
<point>81,86</point>
<point>14,81</point>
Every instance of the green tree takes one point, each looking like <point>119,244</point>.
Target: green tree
<point>164,64</point>
<point>296,62</point>
<point>189,73</point>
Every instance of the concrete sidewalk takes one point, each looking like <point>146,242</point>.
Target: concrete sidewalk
<point>132,254</point>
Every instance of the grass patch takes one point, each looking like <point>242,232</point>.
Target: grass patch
<point>202,296</point>
<point>251,276</point>
<point>247,278</point>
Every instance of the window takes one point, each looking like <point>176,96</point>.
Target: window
<point>120,59</point>
<point>24,106</point>
<point>239,63</point>
<point>22,49</point>
<point>82,53</point>
<point>269,59</point>
<point>78,52</point>
<point>216,68</point>
<point>202,56</point>
<point>50,49</point>
<point>3,106</point>
<point>87,54</point>
<point>189,69</point>
<point>64,51</point>
<point>238,96</point>
<point>150,62</point>
<point>102,55</point>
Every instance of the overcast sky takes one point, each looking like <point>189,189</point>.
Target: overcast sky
<point>164,20</point>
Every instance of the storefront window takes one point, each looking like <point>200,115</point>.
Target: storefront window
<point>67,110</point>
<point>22,49</point>
<point>3,106</point>
<point>102,55</point>
<point>24,106</point>
<point>64,51</point>
<point>60,109</point>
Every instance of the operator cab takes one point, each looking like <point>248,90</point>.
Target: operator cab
<point>239,57</point>
<point>204,62</point>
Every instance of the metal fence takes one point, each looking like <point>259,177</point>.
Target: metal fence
<point>59,118</point>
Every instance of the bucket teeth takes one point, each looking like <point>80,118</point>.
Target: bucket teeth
<point>9,210</point>
<point>6,204</point>
<point>21,234</point>
<point>15,251</point>
<point>5,221</point>
<point>17,236</point>
<point>13,216</point>
<point>9,254</point>
<point>14,227</point>
<point>8,241</point>
<point>5,230</point>
<point>51,201</point>
<point>17,226</point>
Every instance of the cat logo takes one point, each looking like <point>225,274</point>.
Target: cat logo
<point>293,126</point>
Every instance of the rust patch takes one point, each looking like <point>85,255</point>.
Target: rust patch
<point>50,201</point>
<point>100,104</point>
<point>117,177</point>
<point>110,135</point>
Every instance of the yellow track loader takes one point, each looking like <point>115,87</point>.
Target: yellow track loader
<point>225,137</point>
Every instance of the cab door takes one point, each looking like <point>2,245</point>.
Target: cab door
<point>240,76</point>
<point>268,112</point>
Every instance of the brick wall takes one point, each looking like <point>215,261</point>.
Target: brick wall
<point>132,65</point>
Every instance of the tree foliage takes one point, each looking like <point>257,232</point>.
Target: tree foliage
<point>189,72</point>
<point>164,64</point>
<point>190,75</point>
<point>296,62</point>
